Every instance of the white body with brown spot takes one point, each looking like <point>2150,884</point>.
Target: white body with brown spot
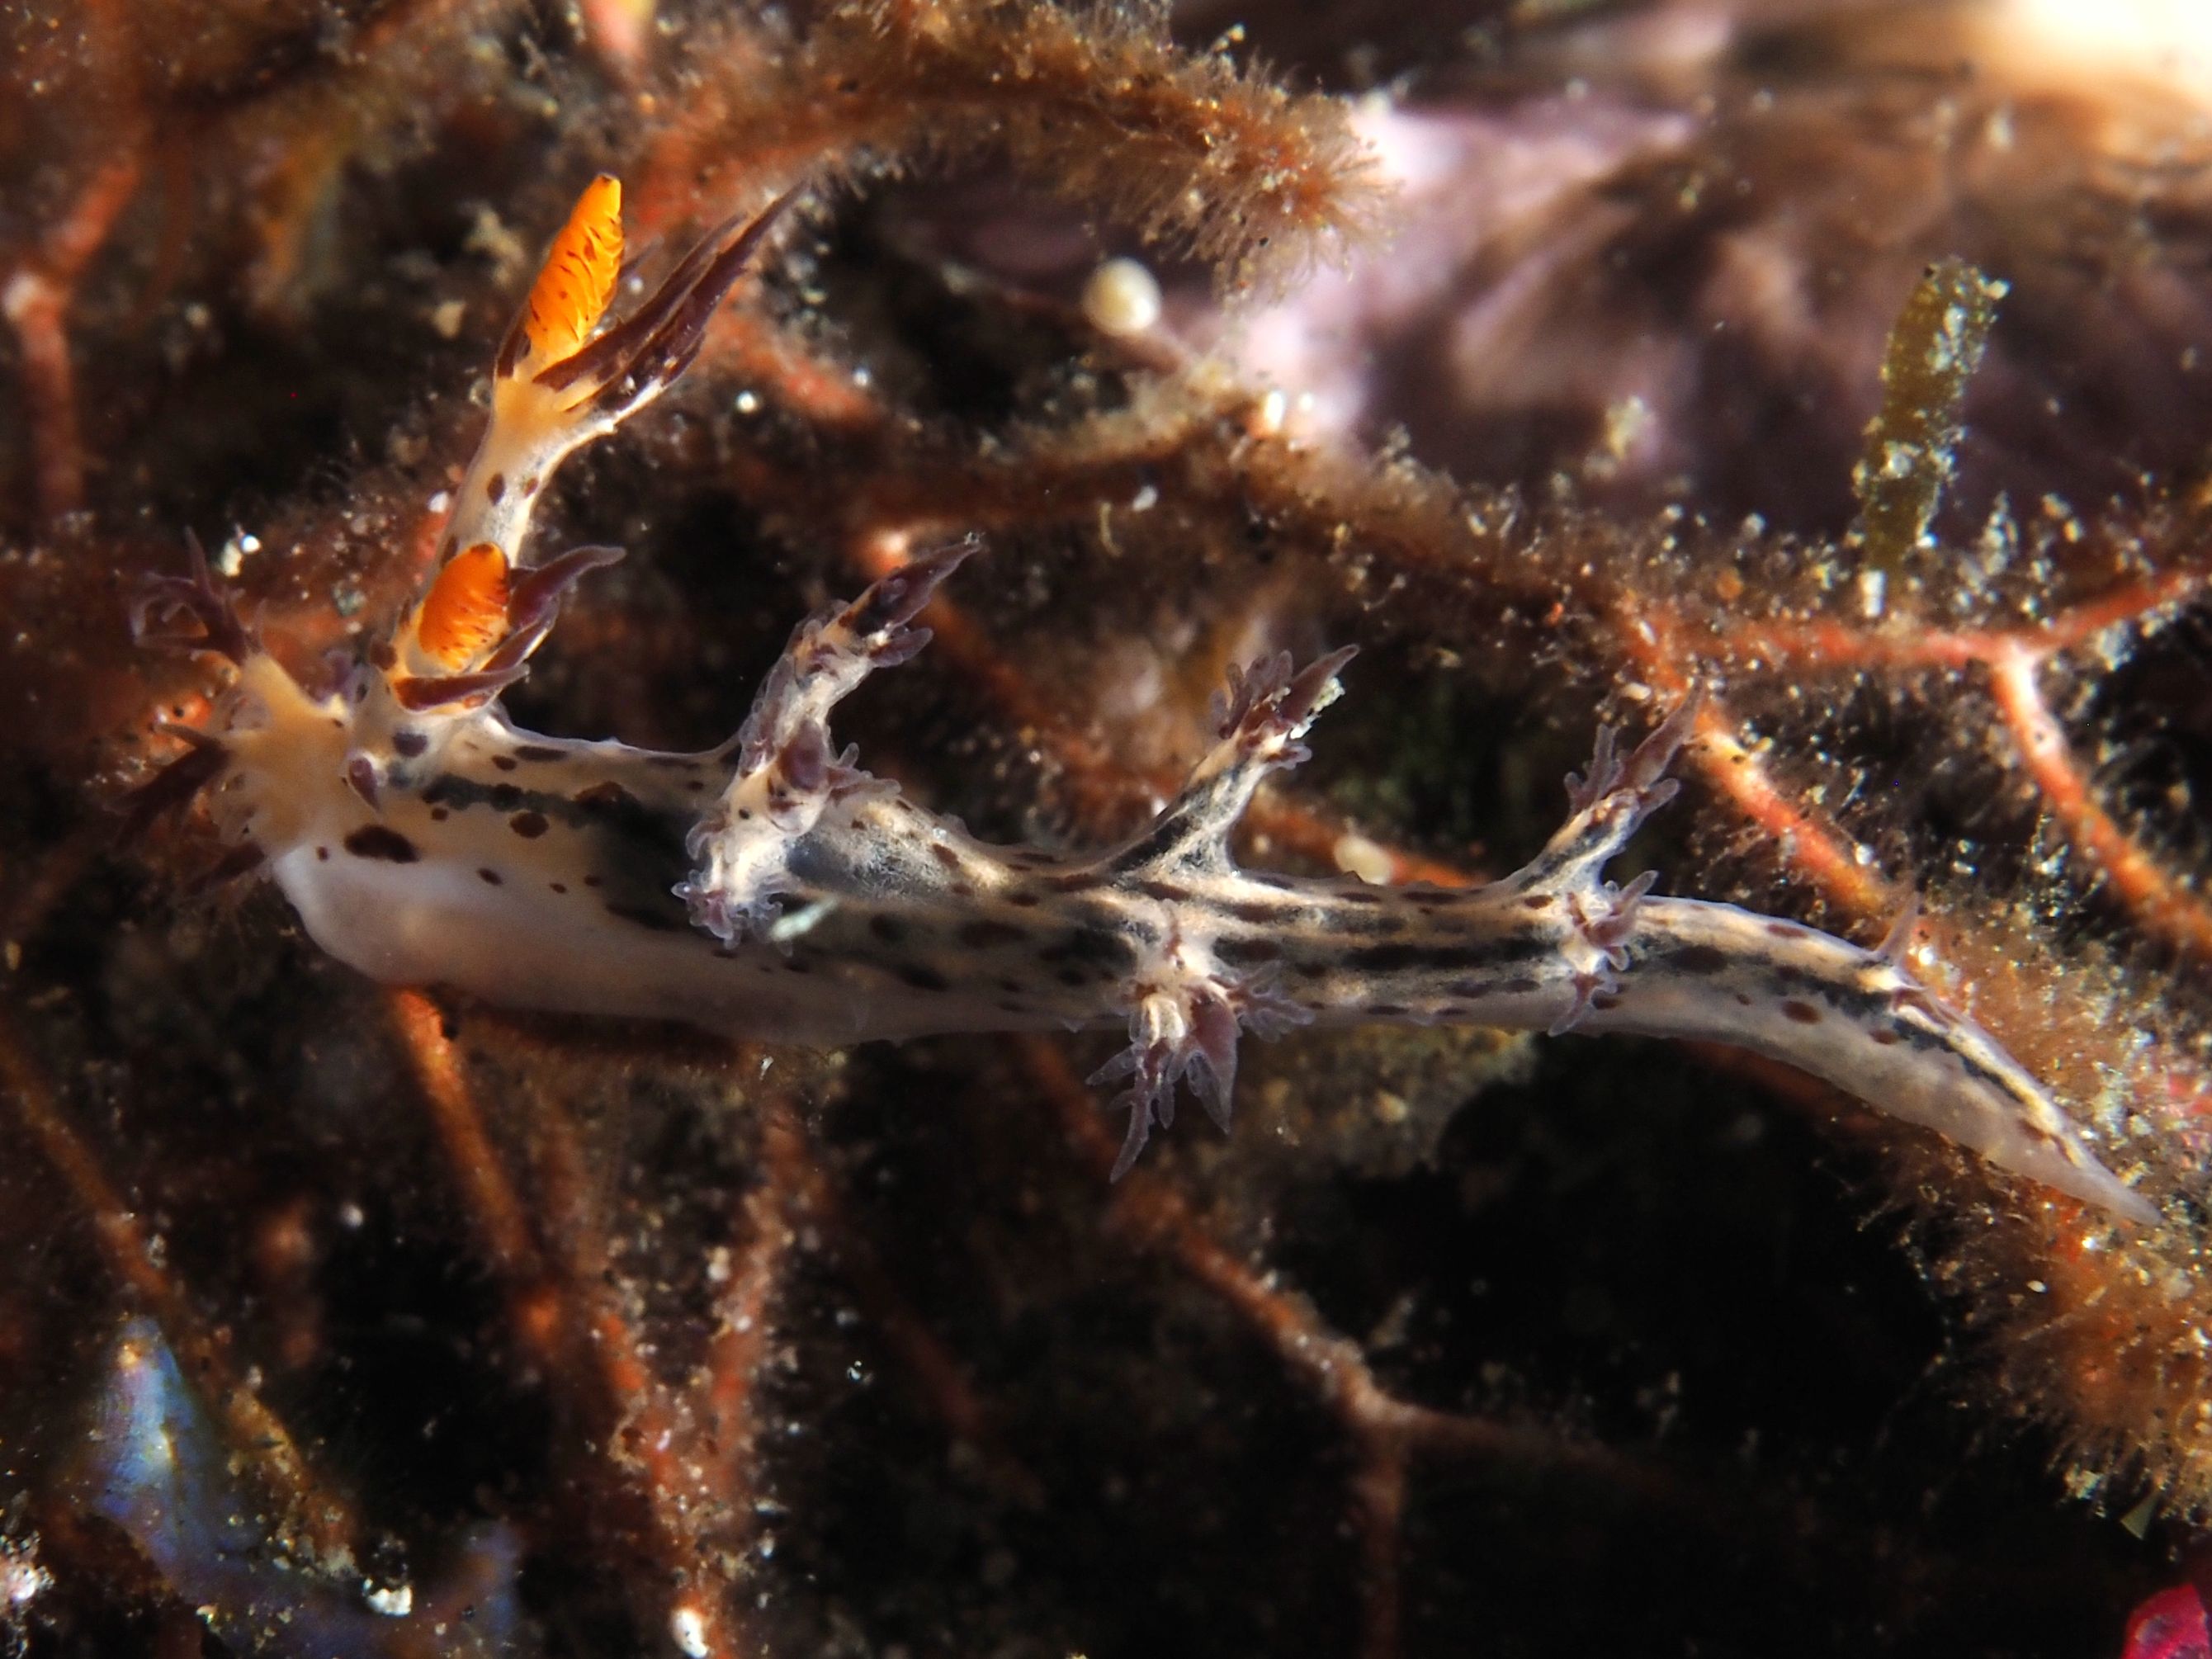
<point>771,890</point>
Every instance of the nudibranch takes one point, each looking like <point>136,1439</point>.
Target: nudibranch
<point>771,889</point>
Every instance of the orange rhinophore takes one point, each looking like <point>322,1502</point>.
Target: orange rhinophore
<point>464,613</point>
<point>571,291</point>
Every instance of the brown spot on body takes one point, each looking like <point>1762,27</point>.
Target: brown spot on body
<point>886,929</point>
<point>1785,929</point>
<point>1023,900</point>
<point>383,657</point>
<point>528,825</point>
<point>923,978</point>
<point>1884,1035</point>
<point>439,814</point>
<point>987,935</point>
<point>409,745</point>
<point>375,840</point>
<point>1164,890</point>
<point>495,487</point>
<point>538,751</point>
<point>490,877</point>
<point>944,855</point>
<point>1245,950</point>
<point>505,763</point>
<point>607,797</point>
<point>1537,902</point>
<point>558,886</point>
<point>1699,958</point>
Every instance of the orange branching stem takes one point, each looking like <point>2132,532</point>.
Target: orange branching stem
<point>1818,852</point>
<point>35,298</point>
<point>793,1169</point>
<point>403,62</point>
<point>2166,905</point>
<point>744,1314</point>
<point>1385,1430</point>
<point>686,1445</point>
<point>620,33</point>
<point>2013,660</point>
<point>533,1307</point>
<point>1286,822</point>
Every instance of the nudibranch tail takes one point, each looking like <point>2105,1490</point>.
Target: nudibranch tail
<point>1853,1018</point>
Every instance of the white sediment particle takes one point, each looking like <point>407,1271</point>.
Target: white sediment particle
<point>22,1580</point>
<point>1872,586</point>
<point>1122,298</point>
<point>689,1632</point>
<point>392,1601</point>
<point>1356,855</point>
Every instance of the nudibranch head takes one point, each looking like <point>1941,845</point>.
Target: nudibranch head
<point>578,280</point>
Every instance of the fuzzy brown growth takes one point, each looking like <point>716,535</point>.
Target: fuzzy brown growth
<point>1211,161</point>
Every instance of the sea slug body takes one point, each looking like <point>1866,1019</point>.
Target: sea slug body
<point>772,888</point>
